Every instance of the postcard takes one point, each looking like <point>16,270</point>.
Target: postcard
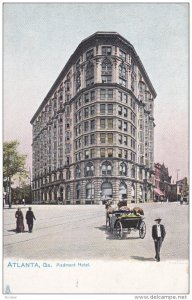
<point>95,149</point>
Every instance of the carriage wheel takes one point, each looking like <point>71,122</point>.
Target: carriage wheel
<point>142,230</point>
<point>119,229</point>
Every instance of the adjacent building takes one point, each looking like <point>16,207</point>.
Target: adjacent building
<point>163,185</point>
<point>93,134</point>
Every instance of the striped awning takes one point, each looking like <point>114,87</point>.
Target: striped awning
<point>158,192</point>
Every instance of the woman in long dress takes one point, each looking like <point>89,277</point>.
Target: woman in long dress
<point>19,222</point>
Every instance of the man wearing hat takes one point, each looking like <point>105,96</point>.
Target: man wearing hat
<point>158,235</point>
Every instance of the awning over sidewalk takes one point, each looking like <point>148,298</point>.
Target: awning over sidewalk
<point>158,192</point>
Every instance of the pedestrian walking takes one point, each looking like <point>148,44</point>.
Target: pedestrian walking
<point>23,201</point>
<point>30,217</point>
<point>158,235</point>
<point>19,223</point>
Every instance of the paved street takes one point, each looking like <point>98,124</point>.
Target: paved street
<point>84,257</point>
<point>68,232</point>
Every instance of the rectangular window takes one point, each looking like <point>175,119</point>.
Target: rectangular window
<point>109,123</point>
<point>79,129</point>
<point>110,138</point>
<point>125,154</point>
<point>106,78</point>
<point>102,138</point>
<point>125,111</point>
<point>120,139</point>
<point>92,124</point>
<point>92,139</point>
<point>80,116</point>
<point>86,98</point>
<point>86,112</point>
<point>110,108</point>
<point>120,153</point>
<point>102,123</point>
<point>125,140</point>
<point>86,126</point>
<point>102,108</point>
<point>92,153</point>
<point>119,110</point>
<point>110,152</point>
<point>125,126</point>
<point>102,94</point>
<point>92,109</point>
<point>110,94</point>
<point>102,152</point>
<point>79,143</point>
<point>86,140</point>
<point>119,124</point>
<point>86,153</point>
<point>106,50</point>
<point>92,95</point>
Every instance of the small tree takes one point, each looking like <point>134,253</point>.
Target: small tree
<point>13,163</point>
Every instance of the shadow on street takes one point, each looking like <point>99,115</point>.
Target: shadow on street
<point>140,258</point>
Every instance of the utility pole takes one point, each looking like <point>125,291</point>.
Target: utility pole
<point>177,170</point>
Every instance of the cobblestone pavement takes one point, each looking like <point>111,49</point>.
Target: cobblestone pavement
<point>68,232</point>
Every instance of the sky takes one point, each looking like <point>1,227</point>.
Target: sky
<point>38,40</point>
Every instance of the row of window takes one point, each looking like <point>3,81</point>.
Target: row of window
<point>105,94</point>
<point>105,152</point>
<point>104,138</point>
<point>106,169</point>
<point>106,51</point>
<point>104,109</point>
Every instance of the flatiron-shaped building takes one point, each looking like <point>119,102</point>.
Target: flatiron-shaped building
<point>93,134</point>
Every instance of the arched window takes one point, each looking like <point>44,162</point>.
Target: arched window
<point>89,169</point>
<point>89,74</point>
<point>123,190</point>
<point>123,169</point>
<point>106,191</point>
<point>106,168</point>
<point>133,171</point>
<point>106,73</point>
<point>78,191</point>
<point>90,191</point>
<point>78,172</point>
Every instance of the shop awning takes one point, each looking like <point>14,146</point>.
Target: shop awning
<point>158,192</point>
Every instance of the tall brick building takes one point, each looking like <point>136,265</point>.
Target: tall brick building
<point>93,134</point>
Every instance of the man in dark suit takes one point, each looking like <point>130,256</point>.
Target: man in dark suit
<point>158,235</point>
<point>29,217</point>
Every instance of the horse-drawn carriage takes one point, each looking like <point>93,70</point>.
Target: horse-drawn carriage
<point>124,220</point>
